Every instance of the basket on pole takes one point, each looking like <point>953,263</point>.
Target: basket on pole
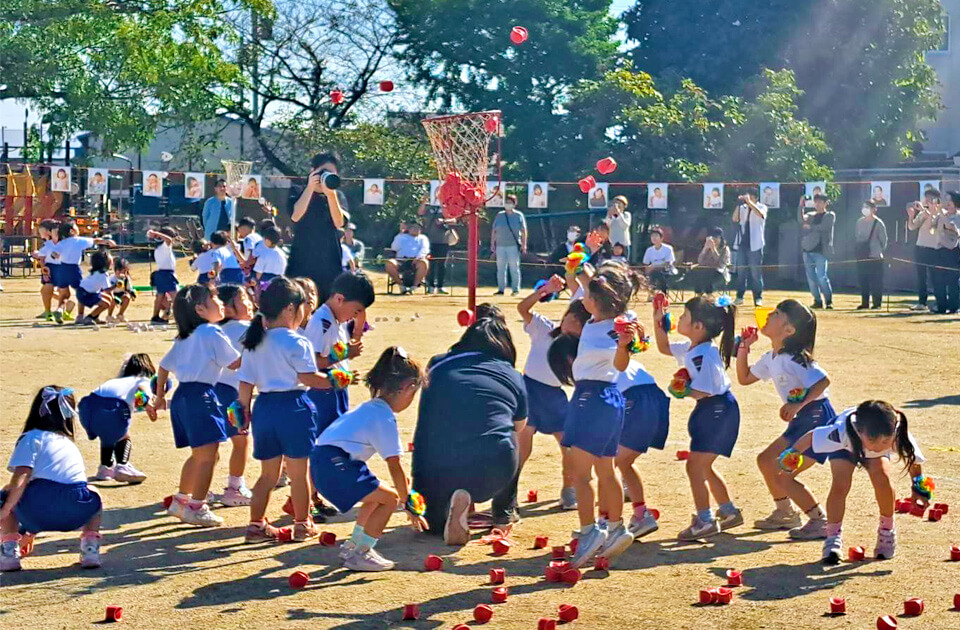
<point>235,171</point>
<point>461,150</point>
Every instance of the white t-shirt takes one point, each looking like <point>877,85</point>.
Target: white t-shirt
<point>97,282</point>
<point>834,437</point>
<point>271,260</point>
<point>124,388</point>
<point>277,363</point>
<point>634,375</point>
<point>52,456</point>
<point>705,366</point>
<point>201,356</point>
<point>71,249</point>
<point>249,243</point>
<point>46,250</point>
<point>207,261</point>
<point>258,248</point>
<point>537,366</point>
<point>324,331</point>
<point>595,353</point>
<point>663,257</point>
<point>228,259</point>
<point>370,428</point>
<point>757,225</point>
<point>788,375</point>
<point>234,330</point>
<point>163,256</point>
<point>346,256</point>
<point>410,246</point>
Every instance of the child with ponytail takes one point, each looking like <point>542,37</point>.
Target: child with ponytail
<point>281,365</point>
<point>338,461</point>
<point>803,387</point>
<point>715,421</point>
<point>865,436</point>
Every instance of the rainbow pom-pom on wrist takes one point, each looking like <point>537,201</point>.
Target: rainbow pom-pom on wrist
<point>790,460</point>
<point>797,394</point>
<point>339,352</point>
<point>416,504</point>
<point>236,416</point>
<point>575,260</point>
<point>140,400</point>
<point>667,323</point>
<point>639,344</point>
<point>680,384</point>
<point>341,379</point>
<point>924,486</point>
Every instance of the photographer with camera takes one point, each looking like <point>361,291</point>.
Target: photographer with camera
<point>319,210</point>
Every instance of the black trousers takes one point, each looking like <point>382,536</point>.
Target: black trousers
<point>945,285</point>
<point>489,473</point>
<point>438,264</point>
<point>706,280</point>
<point>926,258</point>
<point>870,273</point>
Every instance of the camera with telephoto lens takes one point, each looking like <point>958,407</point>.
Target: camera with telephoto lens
<point>330,179</point>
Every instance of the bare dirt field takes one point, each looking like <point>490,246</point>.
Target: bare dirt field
<point>166,574</point>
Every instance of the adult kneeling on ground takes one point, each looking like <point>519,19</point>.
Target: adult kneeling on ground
<point>466,436</point>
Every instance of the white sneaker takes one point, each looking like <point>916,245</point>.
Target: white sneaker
<point>642,527</point>
<point>811,530</point>
<point>104,473</point>
<point>234,497</point>
<point>699,529</point>
<point>347,547</point>
<point>919,307</point>
<point>176,509</point>
<point>90,552</point>
<point>832,550</point>
<point>588,545</point>
<point>779,520</point>
<point>202,516</point>
<point>364,559</point>
<point>10,556</point>
<point>126,472</point>
<point>568,499</point>
<point>618,541</point>
<point>456,531</point>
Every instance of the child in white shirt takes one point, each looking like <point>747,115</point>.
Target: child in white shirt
<point>94,290</point>
<point>163,279</point>
<point>208,262</point>
<point>271,261</point>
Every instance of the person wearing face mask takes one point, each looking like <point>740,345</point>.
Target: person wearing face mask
<point>508,239</point>
<point>871,243</point>
<point>561,251</point>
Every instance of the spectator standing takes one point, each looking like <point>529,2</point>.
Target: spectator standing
<point>438,230</point>
<point>816,241</point>
<point>871,242</point>
<point>508,239</point>
<point>219,211</point>
<point>619,221</point>
<point>947,274</point>
<point>751,218</point>
<point>922,217</point>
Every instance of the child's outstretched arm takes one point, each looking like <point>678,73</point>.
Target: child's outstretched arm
<point>399,479</point>
<point>169,240</point>
<point>18,483</point>
<point>744,375</point>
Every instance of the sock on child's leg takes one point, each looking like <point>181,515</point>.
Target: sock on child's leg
<point>834,529</point>
<point>705,516</point>
<point>886,522</point>
<point>368,541</point>
<point>727,508</point>
<point>783,505</point>
<point>639,510</point>
<point>234,482</point>
<point>106,455</point>
<point>357,534</point>
<point>816,513</point>
<point>122,449</point>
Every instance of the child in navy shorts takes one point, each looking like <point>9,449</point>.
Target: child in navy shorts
<point>547,402</point>
<point>207,262</point>
<point>281,365</point>
<point>230,271</point>
<point>94,291</point>
<point>69,253</point>
<point>715,421</point>
<point>123,291</point>
<point>164,278</point>
<point>595,414</point>
<point>106,414</point>
<point>803,388</point>
<point>48,491</point>
<point>338,461</point>
<point>200,352</point>
<point>49,233</point>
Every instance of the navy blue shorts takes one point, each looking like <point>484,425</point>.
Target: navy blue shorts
<point>231,276</point>
<point>164,281</point>
<point>197,417</point>
<point>330,403</point>
<point>342,481</point>
<point>227,395</point>
<point>594,418</point>
<point>283,423</point>
<point>86,298</point>
<point>48,506</point>
<point>546,405</point>
<point>68,276</point>
<point>265,278</point>
<point>815,414</point>
<point>714,425</point>
<point>104,418</point>
<point>50,277</point>
<point>646,418</point>
<point>206,278</point>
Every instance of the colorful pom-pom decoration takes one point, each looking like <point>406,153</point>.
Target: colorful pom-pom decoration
<point>667,323</point>
<point>416,504</point>
<point>166,388</point>
<point>549,297</point>
<point>140,400</point>
<point>339,352</point>
<point>680,384</point>
<point>236,416</point>
<point>341,379</point>
<point>797,394</point>
<point>639,344</point>
<point>723,301</point>
<point>575,260</point>
<point>924,486</point>
<point>790,460</point>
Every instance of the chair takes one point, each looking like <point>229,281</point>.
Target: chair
<point>388,254</point>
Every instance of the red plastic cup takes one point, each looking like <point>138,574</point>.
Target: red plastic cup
<point>114,613</point>
<point>568,613</point>
<point>411,612</point>
<point>285,534</point>
<point>571,576</point>
<point>482,613</point>
<point>498,595</point>
<point>601,564</point>
<point>167,501</point>
<point>956,601</point>
<point>587,184</point>
<point>683,456</point>
<point>955,553</point>
<point>606,166</point>
<point>655,512</point>
<point>734,578</point>
<point>336,97</point>
<point>573,545</point>
<point>558,553</point>
<point>934,515</point>
<point>386,86</point>
<point>913,607</point>
<point>943,507</point>
<point>541,542</point>
<point>298,579</point>
<point>903,506</point>
<point>531,496</point>
<point>546,624</point>
<point>501,546</point>
<point>838,606</point>
<point>518,35</point>
<point>327,539</point>
<point>886,622</point>
<point>708,596</point>
<point>724,595</point>
<point>465,317</point>
<point>855,554</point>
<point>498,576</point>
<point>433,563</point>
<point>461,626</point>
<point>552,574</point>
<point>917,510</point>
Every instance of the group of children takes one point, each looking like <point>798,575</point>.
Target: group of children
<point>295,354</point>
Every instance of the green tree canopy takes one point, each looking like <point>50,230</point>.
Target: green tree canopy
<point>859,63</point>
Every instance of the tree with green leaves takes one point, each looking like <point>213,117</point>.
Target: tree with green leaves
<point>115,68</point>
<point>858,63</point>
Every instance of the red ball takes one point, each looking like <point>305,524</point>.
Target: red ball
<point>386,86</point>
<point>298,579</point>
<point>483,613</point>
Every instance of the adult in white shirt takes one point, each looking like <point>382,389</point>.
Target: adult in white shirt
<point>619,221</point>
<point>751,219</point>
<point>946,278</point>
<point>410,265</point>
<point>922,217</point>
<point>658,261</point>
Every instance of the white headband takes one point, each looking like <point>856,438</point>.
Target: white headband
<point>49,394</point>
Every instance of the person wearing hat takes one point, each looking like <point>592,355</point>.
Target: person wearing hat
<point>619,221</point>
<point>356,246</point>
<point>411,248</point>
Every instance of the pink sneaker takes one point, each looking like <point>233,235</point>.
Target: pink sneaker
<point>235,497</point>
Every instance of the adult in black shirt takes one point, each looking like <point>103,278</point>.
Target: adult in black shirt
<point>466,436</point>
<point>318,212</point>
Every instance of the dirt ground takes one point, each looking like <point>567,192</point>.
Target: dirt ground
<point>166,574</point>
